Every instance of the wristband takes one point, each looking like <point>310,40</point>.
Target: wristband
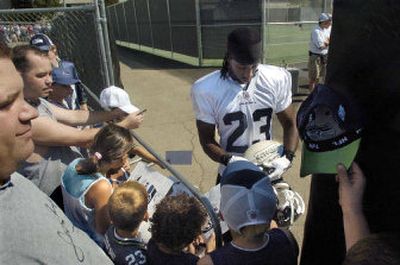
<point>224,159</point>
<point>289,155</point>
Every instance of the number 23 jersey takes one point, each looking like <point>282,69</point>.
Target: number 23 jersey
<point>242,115</point>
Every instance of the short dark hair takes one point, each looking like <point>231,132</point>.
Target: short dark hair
<point>375,249</point>
<point>19,56</point>
<point>4,51</point>
<point>128,205</point>
<point>177,221</point>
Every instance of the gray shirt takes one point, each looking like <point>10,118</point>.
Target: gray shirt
<point>46,174</point>
<point>33,230</point>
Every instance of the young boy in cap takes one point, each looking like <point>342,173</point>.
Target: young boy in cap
<point>63,80</point>
<point>248,204</point>
<point>127,207</point>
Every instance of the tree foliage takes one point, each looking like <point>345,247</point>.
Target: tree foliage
<point>46,3</point>
<point>111,2</point>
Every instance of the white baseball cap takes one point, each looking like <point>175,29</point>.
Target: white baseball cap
<point>115,97</point>
<point>247,197</point>
<point>324,17</point>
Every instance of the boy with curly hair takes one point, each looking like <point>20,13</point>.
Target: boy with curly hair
<point>127,208</point>
<point>176,223</point>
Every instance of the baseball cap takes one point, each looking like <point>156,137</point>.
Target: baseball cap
<point>115,97</point>
<point>42,42</point>
<point>247,197</point>
<point>244,45</point>
<point>63,76</point>
<point>330,125</point>
<point>324,17</point>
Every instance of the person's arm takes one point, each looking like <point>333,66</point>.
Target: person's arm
<point>351,189</point>
<point>97,199</point>
<point>207,140</point>
<point>52,133</point>
<point>83,117</point>
<point>143,153</point>
<point>290,133</point>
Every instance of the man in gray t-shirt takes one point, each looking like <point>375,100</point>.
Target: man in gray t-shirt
<point>33,230</point>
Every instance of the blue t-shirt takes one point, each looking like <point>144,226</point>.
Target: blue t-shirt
<point>281,249</point>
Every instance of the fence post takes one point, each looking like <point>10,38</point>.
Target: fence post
<point>198,30</point>
<point>151,24</point>
<point>106,41</point>
<point>264,30</point>
<point>101,44</point>
<point>170,28</point>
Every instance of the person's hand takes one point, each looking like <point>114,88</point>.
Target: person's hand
<point>277,167</point>
<point>351,188</point>
<point>132,121</point>
<point>118,114</point>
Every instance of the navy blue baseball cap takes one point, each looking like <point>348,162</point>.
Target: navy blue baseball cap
<point>247,197</point>
<point>330,125</point>
<point>62,76</point>
<point>42,42</point>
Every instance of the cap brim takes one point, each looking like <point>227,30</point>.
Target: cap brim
<point>129,109</point>
<point>326,162</point>
<point>69,83</point>
<point>44,48</point>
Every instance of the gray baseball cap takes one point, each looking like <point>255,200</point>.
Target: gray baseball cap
<point>247,197</point>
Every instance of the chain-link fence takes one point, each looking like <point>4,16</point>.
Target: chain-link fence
<point>195,31</point>
<point>74,30</point>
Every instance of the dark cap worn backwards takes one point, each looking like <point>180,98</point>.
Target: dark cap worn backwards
<point>330,124</point>
<point>244,45</point>
<point>42,42</point>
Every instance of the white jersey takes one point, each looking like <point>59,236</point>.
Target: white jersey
<point>242,117</point>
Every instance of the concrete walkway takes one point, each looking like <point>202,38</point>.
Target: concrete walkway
<point>163,88</point>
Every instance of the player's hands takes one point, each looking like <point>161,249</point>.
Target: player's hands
<point>277,167</point>
<point>351,188</point>
<point>132,121</point>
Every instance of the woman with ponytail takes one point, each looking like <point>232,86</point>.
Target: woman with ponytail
<point>86,184</point>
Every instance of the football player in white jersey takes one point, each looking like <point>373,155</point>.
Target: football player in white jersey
<point>240,99</point>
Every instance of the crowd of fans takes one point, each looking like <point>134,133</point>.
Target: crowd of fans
<point>22,32</point>
<point>93,192</point>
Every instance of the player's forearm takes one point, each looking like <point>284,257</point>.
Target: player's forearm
<point>290,136</point>
<point>213,150</point>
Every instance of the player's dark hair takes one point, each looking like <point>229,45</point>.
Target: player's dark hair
<point>19,56</point>
<point>112,142</point>
<point>225,66</point>
<point>177,221</point>
<point>128,205</point>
